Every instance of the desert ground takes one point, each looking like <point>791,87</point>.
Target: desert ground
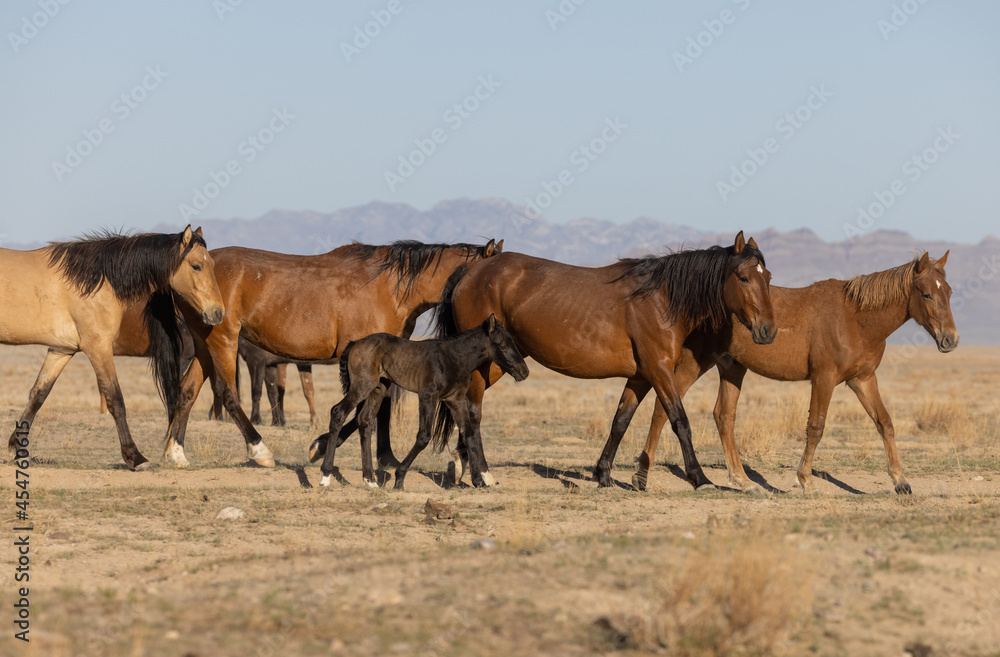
<point>138,563</point>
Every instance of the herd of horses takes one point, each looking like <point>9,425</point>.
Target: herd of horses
<point>659,322</point>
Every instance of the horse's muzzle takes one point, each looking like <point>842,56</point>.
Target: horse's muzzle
<point>214,316</point>
<point>947,342</point>
<point>764,333</point>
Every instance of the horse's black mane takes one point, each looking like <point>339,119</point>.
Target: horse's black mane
<point>131,264</point>
<point>693,280</point>
<point>407,259</point>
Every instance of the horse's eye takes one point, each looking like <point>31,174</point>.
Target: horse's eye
<point>927,296</point>
<point>196,267</point>
<point>744,279</point>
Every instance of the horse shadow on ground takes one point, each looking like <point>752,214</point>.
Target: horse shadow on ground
<point>568,478</point>
<point>754,476</point>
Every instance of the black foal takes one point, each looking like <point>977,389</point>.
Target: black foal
<point>439,371</point>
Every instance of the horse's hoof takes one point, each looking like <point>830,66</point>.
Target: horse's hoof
<point>174,453</point>
<point>317,449</point>
<point>488,480</point>
<point>456,468</point>
<point>370,484</point>
<point>639,482</point>
<point>261,455</point>
<point>145,466</point>
<point>750,488</point>
<point>903,488</point>
<point>325,480</point>
<point>701,488</point>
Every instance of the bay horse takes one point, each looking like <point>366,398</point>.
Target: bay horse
<point>628,319</point>
<point>71,296</point>
<point>439,371</point>
<point>831,332</point>
<point>309,308</point>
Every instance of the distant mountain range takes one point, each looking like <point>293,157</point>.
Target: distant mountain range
<point>795,258</point>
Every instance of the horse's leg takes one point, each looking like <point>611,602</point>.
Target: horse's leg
<point>473,454</point>
<point>309,392</point>
<point>366,420</point>
<point>361,387</point>
<point>199,369</point>
<point>634,392</point>
<point>669,397</point>
<point>274,379</point>
<point>104,402</point>
<point>104,366</point>
<point>52,367</point>
<point>427,404</point>
<point>819,404</point>
<point>258,378</point>
<point>224,385</point>
<point>730,385</point>
<point>386,459</point>
<point>868,395</point>
<point>686,372</point>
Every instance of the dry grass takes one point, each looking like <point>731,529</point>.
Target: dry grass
<point>951,418</point>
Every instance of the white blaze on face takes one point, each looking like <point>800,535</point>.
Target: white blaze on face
<point>938,284</point>
<point>760,269</point>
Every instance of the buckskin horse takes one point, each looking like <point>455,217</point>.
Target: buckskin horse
<point>831,332</point>
<point>309,308</point>
<point>71,296</point>
<point>439,371</point>
<point>628,319</point>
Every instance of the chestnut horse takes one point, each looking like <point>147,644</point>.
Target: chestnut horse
<point>309,308</point>
<point>627,320</point>
<point>830,332</point>
<point>72,296</point>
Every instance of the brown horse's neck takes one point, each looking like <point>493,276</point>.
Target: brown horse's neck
<point>426,291</point>
<point>882,322</point>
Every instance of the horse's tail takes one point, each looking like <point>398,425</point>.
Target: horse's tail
<point>160,321</point>
<point>345,372</point>
<point>444,424</point>
<point>444,316</point>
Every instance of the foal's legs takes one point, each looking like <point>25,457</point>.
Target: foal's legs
<point>867,391</point>
<point>366,419</point>
<point>363,384</point>
<point>470,442</point>
<point>104,366</point>
<point>386,459</point>
<point>634,392</point>
<point>53,366</point>
<point>819,404</point>
<point>427,403</point>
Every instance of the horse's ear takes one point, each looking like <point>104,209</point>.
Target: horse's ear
<point>491,323</point>
<point>489,249</point>
<point>198,233</point>
<point>186,238</point>
<point>923,263</point>
<point>943,259</point>
<point>739,244</point>
<point>753,243</point>
<point>499,247</point>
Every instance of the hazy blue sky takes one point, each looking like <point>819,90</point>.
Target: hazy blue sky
<point>884,86</point>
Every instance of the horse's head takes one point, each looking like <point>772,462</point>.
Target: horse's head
<point>930,302</point>
<point>503,351</point>
<point>746,290</point>
<point>194,278</point>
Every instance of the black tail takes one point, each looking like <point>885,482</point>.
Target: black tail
<point>444,424</point>
<point>160,320</point>
<point>345,373</point>
<point>444,317</point>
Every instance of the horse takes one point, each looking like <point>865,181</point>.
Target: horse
<point>831,332</point>
<point>71,296</point>
<point>439,371</point>
<point>309,308</point>
<point>133,341</point>
<point>628,319</point>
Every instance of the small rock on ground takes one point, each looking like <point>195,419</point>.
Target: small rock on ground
<point>229,513</point>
